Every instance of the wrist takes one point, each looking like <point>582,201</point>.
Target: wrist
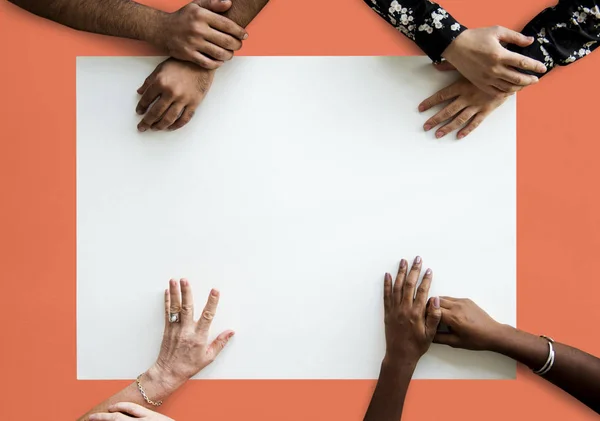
<point>154,31</point>
<point>449,53</point>
<point>160,382</point>
<point>503,335</point>
<point>399,364</point>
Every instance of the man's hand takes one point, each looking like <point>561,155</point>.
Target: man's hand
<point>199,34</point>
<point>470,326</point>
<point>171,94</point>
<point>480,57</point>
<point>410,322</point>
<point>468,107</point>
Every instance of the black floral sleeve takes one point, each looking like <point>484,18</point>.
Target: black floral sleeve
<point>563,33</point>
<point>423,21</point>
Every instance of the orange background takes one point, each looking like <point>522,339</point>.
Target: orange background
<point>558,224</point>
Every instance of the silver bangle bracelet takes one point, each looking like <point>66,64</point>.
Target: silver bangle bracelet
<point>550,361</point>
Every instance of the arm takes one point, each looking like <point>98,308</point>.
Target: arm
<point>192,33</point>
<point>574,371</point>
<point>410,325</point>
<point>563,34</point>
<point>422,21</point>
<point>184,352</point>
<point>179,87</point>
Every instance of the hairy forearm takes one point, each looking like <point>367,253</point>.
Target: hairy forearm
<point>390,392</point>
<point>120,18</point>
<point>244,11</point>
<point>156,384</point>
<point>574,371</point>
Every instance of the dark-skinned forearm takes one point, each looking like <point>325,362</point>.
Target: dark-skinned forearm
<point>388,398</point>
<point>574,371</point>
<point>120,18</point>
<point>243,12</point>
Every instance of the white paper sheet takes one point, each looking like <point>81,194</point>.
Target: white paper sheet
<point>300,181</point>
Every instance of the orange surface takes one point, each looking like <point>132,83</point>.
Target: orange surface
<point>558,224</point>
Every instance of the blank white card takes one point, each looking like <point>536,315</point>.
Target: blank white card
<point>298,184</point>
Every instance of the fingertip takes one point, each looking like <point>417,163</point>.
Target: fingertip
<point>436,303</point>
<point>214,292</point>
<point>387,277</point>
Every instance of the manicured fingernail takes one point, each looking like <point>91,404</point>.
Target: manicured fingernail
<point>230,335</point>
<point>93,417</point>
<point>142,129</point>
<point>402,263</point>
<point>427,127</point>
<point>214,292</point>
<point>428,272</point>
<point>388,277</point>
<point>439,134</point>
<point>154,129</point>
<point>460,136</point>
<point>245,37</point>
<point>421,107</point>
<point>139,111</point>
<point>418,260</point>
<point>436,302</point>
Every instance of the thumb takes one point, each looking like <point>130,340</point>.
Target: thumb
<point>513,37</point>
<point>444,66</point>
<point>433,317</point>
<point>219,343</point>
<point>449,339</point>
<point>217,6</point>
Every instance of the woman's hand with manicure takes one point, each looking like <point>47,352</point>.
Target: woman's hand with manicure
<point>411,319</point>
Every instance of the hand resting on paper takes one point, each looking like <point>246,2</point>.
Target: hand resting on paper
<point>411,320</point>
<point>466,109</point>
<point>185,351</point>
<point>572,370</point>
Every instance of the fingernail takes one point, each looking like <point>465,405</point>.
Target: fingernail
<point>245,36</point>
<point>421,107</point>
<point>428,272</point>
<point>139,111</point>
<point>439,134</point>
<point>418,260</point>
<point>388,277</point>
<point>436,302</point>
<point>460,136</point>
<point>230,335</point>
<point>427,127</point>
<point>402,263</point>
<point>154,129</point>
<point>214,292</point>
<point>142,129</point>
<point>93,417</point>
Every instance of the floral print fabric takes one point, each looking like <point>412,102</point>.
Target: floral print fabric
<point>423,21</point>
<point>563,33</point>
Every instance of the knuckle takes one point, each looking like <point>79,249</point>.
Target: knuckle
<point>495,56</point>
<point>421,290</point>
<point>524,63</point>
<point>208,315</point>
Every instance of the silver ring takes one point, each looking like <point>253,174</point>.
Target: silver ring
<point>174,317</point>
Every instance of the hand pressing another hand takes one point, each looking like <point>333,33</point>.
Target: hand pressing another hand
<point>171,94</point>
<point>124,411</point>
<point>199,34</point>
<point>478,54</point>
<point>470,326</point>
<point>468,106</point>
<point>410,322</point>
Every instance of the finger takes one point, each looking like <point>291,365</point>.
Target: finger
<point>148,97</point>
<point>109,417</point>
<point>397,289</point>
<point>155,112</point>
<point>204,61</point>
<point>215,52</point>
<point>208,314</point>
<point>223,40</point>
<point>524,63</point>
<point>504,86</point>
<point>169,117</point>
<point>410,283</point>
<point>167,307</point>
<point>457,122</point>
<point>444,66</point>
<point>174,297</point>
<point>517,78</point>
<point>440,96</point>
<point>187,302</point>
<point>221,23</point>
<point>145,85</point>
<point>129,409</point>
<point>186,117</point>
<point>423,291</point>
<point>447,303</point>
<point>387,292</point>
<point>473,124</point>
<point>219,344</point>
<point>513,37</point>
<point>433,317</point>
<point>445,114</point>
<point>446,339</point>
<point>217,6</point>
